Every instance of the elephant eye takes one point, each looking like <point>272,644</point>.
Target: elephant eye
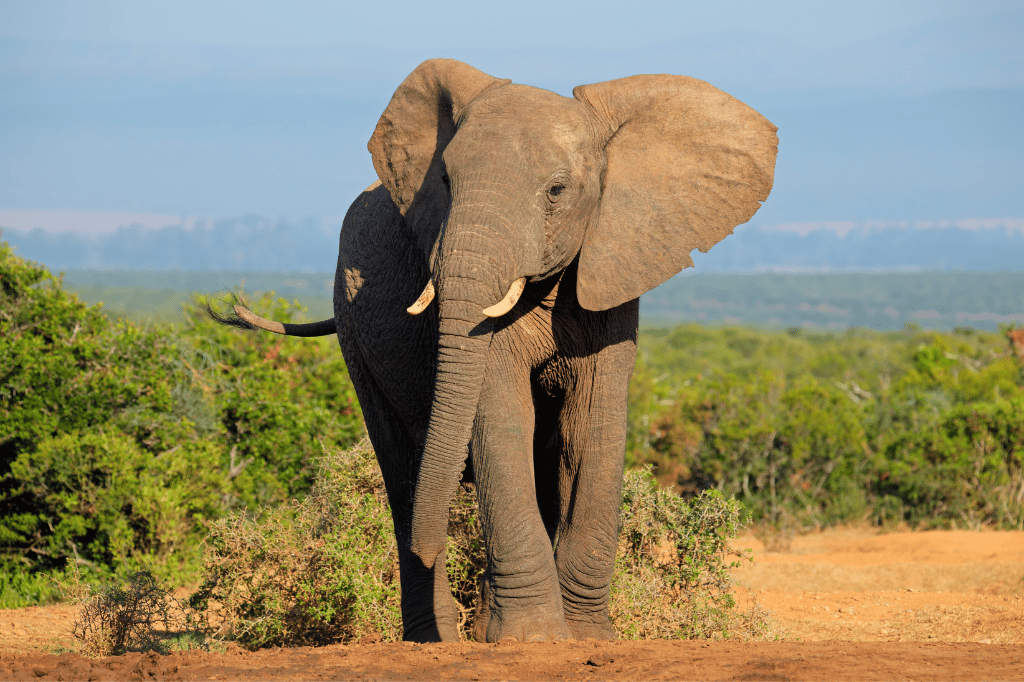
<point>555,190</point>
<point>445,179</point>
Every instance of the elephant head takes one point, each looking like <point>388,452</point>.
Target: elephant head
<point>503,184</point>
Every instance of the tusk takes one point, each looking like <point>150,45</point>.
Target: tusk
<point>424,300</point>
<point>257,321</point>
<point>511,298</point>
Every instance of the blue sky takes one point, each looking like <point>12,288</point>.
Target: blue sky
<point>526,24</point>
<point>887,111</point>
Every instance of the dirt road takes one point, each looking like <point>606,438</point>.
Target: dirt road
<point>857,605</point>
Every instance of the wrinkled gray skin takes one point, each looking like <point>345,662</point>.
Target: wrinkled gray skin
<point>593,199</point>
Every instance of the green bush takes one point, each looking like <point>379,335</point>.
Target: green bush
<point>314,572</point>
<point>73,381</point>
<point>325,569</point>
<point>914,427</point>
<point>773,447</point>
<point>672,576</point>
<point>99,498</point>
<point>19,589</point>
<point>966,470</point>
<point>281,400</point>
<point>119,443</point>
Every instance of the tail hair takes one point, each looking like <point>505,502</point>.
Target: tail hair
<point>232,319</point>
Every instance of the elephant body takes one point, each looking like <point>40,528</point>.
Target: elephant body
<point>551,418</point>
<point>531,223</point>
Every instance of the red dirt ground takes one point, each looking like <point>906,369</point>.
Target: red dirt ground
<point>855,604</point>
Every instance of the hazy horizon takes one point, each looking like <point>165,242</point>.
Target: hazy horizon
<point>103,224</point>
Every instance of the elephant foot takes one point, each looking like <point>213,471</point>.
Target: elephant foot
<point>531,625</point>
<point>431,627</point>
<point>599,629</point>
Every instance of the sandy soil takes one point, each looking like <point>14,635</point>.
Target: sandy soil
<point>857,605</point>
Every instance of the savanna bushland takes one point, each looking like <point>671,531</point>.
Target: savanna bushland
<point>125,447</point>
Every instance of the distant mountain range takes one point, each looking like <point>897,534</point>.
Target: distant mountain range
<point>255,244</point>
<point>248,243</point>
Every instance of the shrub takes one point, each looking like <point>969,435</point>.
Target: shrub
<point>132,614</point>
<point>325,569</point>
<point>930,438</point>
<point>19,589</point>
<point>774,447</point>
<point>672,575</point>
<point>466,555</point>
<point>99,499</point>
<point>120,442</point>
<point>281,400</point>
<point>314,572</point>
<point>108,397</point>
<point>967,470</point>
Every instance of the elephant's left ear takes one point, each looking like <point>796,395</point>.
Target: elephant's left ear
<point>686,164</point>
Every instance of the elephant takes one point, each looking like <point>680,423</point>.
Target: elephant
<point>486,304</point>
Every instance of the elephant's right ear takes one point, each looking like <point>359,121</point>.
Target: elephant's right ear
<point>414,130</point>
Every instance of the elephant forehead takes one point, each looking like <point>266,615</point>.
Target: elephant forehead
<point>533,123</point>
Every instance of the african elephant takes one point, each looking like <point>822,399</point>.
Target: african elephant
<point>522,226</point>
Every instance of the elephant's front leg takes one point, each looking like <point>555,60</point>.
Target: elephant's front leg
<point>428,608</point>
<point>594,436</point>
<point>524,598</point>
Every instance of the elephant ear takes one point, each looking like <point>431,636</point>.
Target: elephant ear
<point>414,130</point>
<point>686,164</point>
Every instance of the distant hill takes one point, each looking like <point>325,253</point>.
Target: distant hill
<point>867,247</point>
<point>256,244</point>
<point>248,243</point>
<point>830,275</point>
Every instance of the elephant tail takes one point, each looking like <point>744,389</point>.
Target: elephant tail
<point>244,318</point>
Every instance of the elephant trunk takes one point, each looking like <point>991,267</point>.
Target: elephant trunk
<point>461,364</point>
<point>469,282</point>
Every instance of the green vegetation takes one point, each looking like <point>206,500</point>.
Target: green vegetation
<point>325,569</point>
<point>672,575</point>
<point>818,429</point>
<point>123,445</point>
<point>119,442</point>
